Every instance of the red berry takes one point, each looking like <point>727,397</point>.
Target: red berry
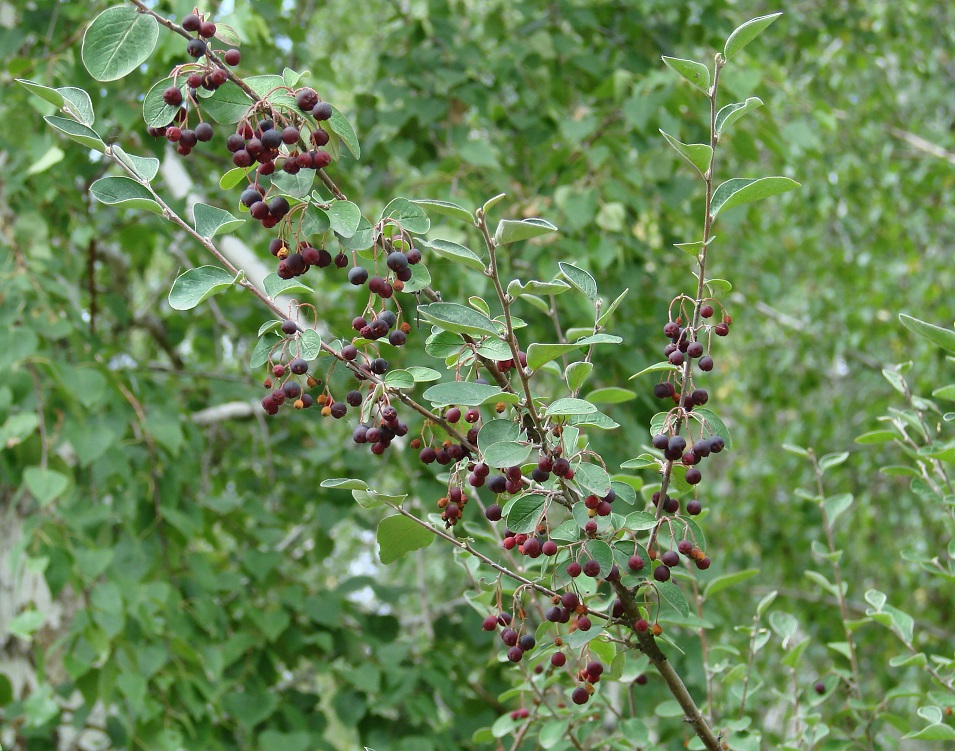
<point>232,57</point>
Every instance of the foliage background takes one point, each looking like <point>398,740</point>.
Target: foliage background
<point>259,596</point>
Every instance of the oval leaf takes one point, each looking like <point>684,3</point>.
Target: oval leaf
<point>344,217</point>
<point>694,72</point>
<point>45,484</point>
<point>118,41</point>
<point>714,424</point>
<point>444,208</point>
<point>697,154</point>
<point>505,454</point>
<point>411,217</point>
<point>196,285</point>
<point>582,281</point>
<point>944,338</point>
<point>461,393</point>
<point>455,252</point>
<point>458,318</point>
<point>511,231</point>
<point>610,395</point>
<point>746,33</point>
<point>124,191</point>
<point>339,125</point>
<point>211,221</point>
<point>77,131</point>
<point>227,105</point>
<point>156,112</point>
<point>570,406</point>
<point>398,535</point>
<point>740,190</point>
<point>732,112</point>
<point>655,368</point>
<point>525,513</point>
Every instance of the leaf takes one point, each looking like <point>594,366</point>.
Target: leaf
<point>344,217</point>
<point>945,392</point>
<point>592,477</point>
<point>580,280</point>
<point>944,338</point>
<point>297,186</point>
<point>25,624</point>
<point>234,176</point>
<point>124,191</point>
<point>492,202</point>
<point>211,221</point>
<point>525,513</point>
<point>832,460</point>
<point>119,40</point>
<point>569,406</point>
<point>718,287</point>
<point>276,287</point>
<point>344,483</point>
<point>423,375</point>
<point>145,167</point>
<point>605,316</point>
<point>309,344</point>
<point>746,33</point>
<point>698,154</point>
<point>196,285</point>
<point>78,132</point>
<point>339,125</point>
<point>399,379</point>
<point>511,231</point>
<point>577,373</point>
<point>410,216</point>
<point>876,437</point>
<point>541,354</point>
<point>719,583</point>
<point>517,288</point>
<point>733,112</point>
<point>461,393</point>
<point>398,535</point>
<point>694,72</point>
<point>53,156</point>
<point>739,190</point>
<point>714,424</point>
<point>505,454</point>
<point>455,252</point>
<point>459,319</point>
<point>837,505</point>
<point>445,208</point>
<point>674,597</point>
<point>660,367</point>
<point>45,484</point>
<point>227,105</point>
<point>420,278</point>
<point>156,113</point>
<point>230,37</point>
<point>610,395</point>
<point>73,101</point>
<point>939,732</point>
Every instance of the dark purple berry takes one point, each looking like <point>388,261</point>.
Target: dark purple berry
<point>321,111</point>
<point>693,508</point>
<point>192,22</point>
<point>196,48</point>
<point>661,573</point>
<point>670,558</point>
<point>232,57</point>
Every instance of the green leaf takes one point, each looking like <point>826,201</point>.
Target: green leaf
<point>276,286</point>
<point>227,105</point>
<point>146,167</point>
<point>577,373</point>
<point>444,208</point>
<point>876,437</point>
<point>698,154</point>
<point>156,113</point>
<point>525,513</point>
<point>234,176</point>
<point>694,72</point>
<point>398,535</point>
<point>119,40</point>
<point>569,406</point>
<point>938,732</point>
<point>552,732</point>
<point>78,132</point>
<point>45,484</point>
<point>674,597</point>
<point>610,395</point>
<point>832,460</point>
<point>26,624</point>
<point>837,505</point>
<point>579,280</point>
<point>719,583</point>
<point>714,424</point>
<point>73,101</point>
<point>196,285</point>
<point>944,338</point>
<point>718,287</point>
<point>506,454</point>
<point>297,186</point>
<point>410,216</point>
<point>339,125</point>
<point>211,221</point>
<point>739,190</point>
<point>497,430</point>
<point>605,316</point>
<point>660,367</point>
<point>423,375</point>
<point>344,217</point>
<point>592,477</point>
<point>309,344</point>
<point>399,379</point>
<point>512,231</point>
<point>52,156</point>
<point>461,393</point>
<point>492,202</point>
<point>541,354</point>
<point>733,112</point>
<point>945,392</point>
<point>516,288</point>
<point>455,252</point>
<point>746,33</point>
<point>459,319</point>
<point>344,483</point>
<point>124,191</point>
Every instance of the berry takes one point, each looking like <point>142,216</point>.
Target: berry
<point>319,137</point>
<point>676,358</point>
<point>196,48</point>
<point>235,142</point>
<point>204,132</point>
<point>397,338</point>
<point>694,349</point>
<point>298,366</point>
<point>641,626</point>
<point>677,444</point>
<point>321,111</point>
<point>664,390</point>
<point>670,558</point>
<point>594,668</point>
<point>558,659</point>
<point>242,158</point>
<point>592,568</point>
<point>490,623</point>
<point>671,330</point>
<point>514,654</point>
<point>635,563</point>
<point>819,687</point>
<point>509,637</point>
<point>172,96</point>
<point>574,570</point>
<point>706,363</point>
<point>561,467</point>
<point>693,508</point>
<point>527,642</point>
<point>693,476</point>
<point>271,138</point>
<point>570,600</point>
<point>349,352</point>
<point>642,679</point>
<point>661,573</point>
<point>207,29</point>
<point>397,260</point>
<point>580,695</point>
<point>549,548</point>
<point>716,444</point>
<point>703,563</point>
<point>289,327</point>
<point>532,548</point>
<point>192,22</point>
<point>232,57</point>
<point>583,623</point>
<point>453,415</point>
<point>306,99</point>
<point>721,329</point>
<point>661,441</point>
<point>427,455</point>
<point>706,311</point>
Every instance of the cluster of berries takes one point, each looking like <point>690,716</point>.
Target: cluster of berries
<point>452,506</point>
<point>399,263</point>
